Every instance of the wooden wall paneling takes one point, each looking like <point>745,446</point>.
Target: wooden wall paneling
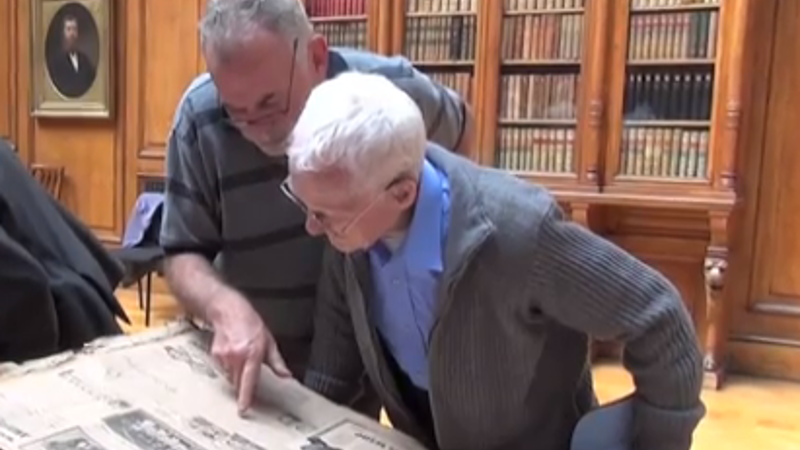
<point>7,101</point>
<point>170,43</point>
<point>87,149</point>
<point>766,317</point>
<point>162,39</point>
<point>21,79</point>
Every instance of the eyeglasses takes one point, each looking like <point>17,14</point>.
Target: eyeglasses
<point>241,122</point>
<point>324,220</point>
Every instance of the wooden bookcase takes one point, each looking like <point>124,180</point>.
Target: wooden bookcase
<point>610,104</point>
<point>348,23</point>
<point>445,40</point>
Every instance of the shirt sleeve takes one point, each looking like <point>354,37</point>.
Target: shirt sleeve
<point>191,215</point>
<point>443,109</point>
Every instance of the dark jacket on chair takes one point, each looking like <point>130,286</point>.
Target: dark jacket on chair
<point>56,280</point>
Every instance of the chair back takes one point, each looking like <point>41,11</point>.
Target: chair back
<point>51,177</point>
<point>609,427</point>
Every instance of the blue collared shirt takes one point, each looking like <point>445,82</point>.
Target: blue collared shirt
<point>406,281</point>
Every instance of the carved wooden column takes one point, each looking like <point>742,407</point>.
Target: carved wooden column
<point>716,264</point>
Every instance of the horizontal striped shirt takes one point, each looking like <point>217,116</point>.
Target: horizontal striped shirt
<point>223,197</point>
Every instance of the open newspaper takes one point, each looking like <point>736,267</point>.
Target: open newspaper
<point>160,390</point>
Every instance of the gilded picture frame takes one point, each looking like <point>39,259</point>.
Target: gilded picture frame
<point>72,58</point>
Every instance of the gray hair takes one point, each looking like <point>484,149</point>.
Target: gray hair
<point>361,123</point>
<point>231,22</point>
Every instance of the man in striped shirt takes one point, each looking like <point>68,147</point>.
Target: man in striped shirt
<point>237,251</point>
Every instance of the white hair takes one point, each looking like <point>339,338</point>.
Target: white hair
<point>363,124</point>
<point>229,23</point>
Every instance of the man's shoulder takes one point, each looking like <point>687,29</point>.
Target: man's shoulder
<point>505,199</point>
<point>200,98</point>
<point>391,67</point>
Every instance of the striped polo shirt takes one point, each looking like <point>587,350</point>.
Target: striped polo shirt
<point>223,198</point>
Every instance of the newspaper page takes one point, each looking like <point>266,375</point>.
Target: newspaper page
<point>161,390</point>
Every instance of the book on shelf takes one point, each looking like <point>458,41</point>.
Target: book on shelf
<point>636,4</point>
<point>536,150</point>
<point>535,5</point>
<point>542,36</point>
<point>460,82</point>
<point>538,96</point>
<point>336,8</point>
<point>667,108</point>
<point>443,35</point>
<point>665,152</point>
<point>668,94</point>
<point>440,38</point>
<point>673,36</point>
<point>342,22</point>
<point>537,105</point>
<point>441,6</point>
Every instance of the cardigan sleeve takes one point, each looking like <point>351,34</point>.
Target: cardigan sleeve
<point>335,368</point>
<point>591,285</point>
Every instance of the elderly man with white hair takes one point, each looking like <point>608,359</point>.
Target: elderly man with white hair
<point>466,295</point>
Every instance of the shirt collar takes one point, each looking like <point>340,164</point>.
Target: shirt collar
<point>336,64</point>
<point>422,247</point>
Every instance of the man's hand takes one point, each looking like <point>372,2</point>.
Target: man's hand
<point>241,344</point>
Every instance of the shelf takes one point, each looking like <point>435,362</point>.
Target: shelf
<point>433,14</point>
<point>338,19</point>
<point>666,123</point>
<point>671,62</point>
<point>542,63</point>
<point>445,63</point>
<point>676,8</point>
<point>651,198</point>
<point>538,122</point>
<point>542,12</point>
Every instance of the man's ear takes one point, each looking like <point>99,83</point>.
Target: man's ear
<point>318,55</point>
<point>404,193</point>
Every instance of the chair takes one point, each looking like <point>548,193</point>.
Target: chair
<point>51,177</point>
<point>608,427</point>
<point>141,254</point>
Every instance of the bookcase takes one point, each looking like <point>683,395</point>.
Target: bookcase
<point>347,23</point>
<point>443,38</point>
<point>609,104</point>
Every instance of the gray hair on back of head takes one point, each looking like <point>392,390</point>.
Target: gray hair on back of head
<point>229,23</point>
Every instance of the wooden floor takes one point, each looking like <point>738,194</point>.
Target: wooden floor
<point>748,414</point>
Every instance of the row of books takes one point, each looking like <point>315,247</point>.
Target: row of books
<point>425,6</point>
<point>668,96</point>
<point>344,34</point>
<point>533,96</point>
<point>664,152</point>
<point>673,35</point>
<point>535,5</point>
<point>460,82</point>
<point>656,3</point>
<point>544,150</point>
<point>336,8</point>
<point>556,37</point>
<point>440,38</point>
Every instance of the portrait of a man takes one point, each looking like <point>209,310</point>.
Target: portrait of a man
<point>72,50</point>
<point>72,58</point>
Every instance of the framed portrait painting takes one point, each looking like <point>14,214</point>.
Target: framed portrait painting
<point>72,58</point>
